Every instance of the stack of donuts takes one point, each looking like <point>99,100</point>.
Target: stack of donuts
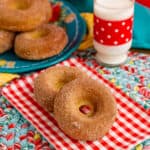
<point>24,24</point>
<point>83,108</point>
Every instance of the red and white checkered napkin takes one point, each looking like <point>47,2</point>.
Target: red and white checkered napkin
<point>131,126</point>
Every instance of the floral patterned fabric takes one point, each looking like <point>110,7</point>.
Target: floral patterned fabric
<point>16,133</point>
<point>132,77</point>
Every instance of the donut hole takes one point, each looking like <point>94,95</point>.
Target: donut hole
<point>87,109</point>
<point>20,4</point>
<point>60,84</point>
<point>64,81</point>
<point>37,34</point>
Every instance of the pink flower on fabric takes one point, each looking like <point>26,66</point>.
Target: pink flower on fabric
<point>146,147</point>
<point>3,147</point>
<point>1,112</point>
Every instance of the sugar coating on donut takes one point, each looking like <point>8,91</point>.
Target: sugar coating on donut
<point>90,125</point>
<point>6,40</point>
<point>19,4</point>
<point>24,15</point>
<point>49,82</point>
<point>44,42</point>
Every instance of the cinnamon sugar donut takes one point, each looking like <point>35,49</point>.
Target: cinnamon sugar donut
<point>23,15</point>
<point>78,124</point>
<point>49,82</point>
<point>6,40</point>
<point>46,41</point>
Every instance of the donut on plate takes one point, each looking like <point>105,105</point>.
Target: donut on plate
<point>76,97</point>
<point>49,82</point>
<point>43,42</point>
<point>6,40</point>
<point>23,15</point>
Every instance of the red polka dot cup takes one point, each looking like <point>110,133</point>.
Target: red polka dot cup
<point>113,22</point>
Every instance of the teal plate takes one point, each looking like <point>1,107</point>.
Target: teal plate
<point>76,29</point>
